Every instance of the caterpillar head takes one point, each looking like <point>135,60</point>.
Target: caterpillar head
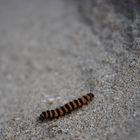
<point>91,95</point>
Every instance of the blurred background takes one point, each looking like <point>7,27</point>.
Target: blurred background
<point>53,51</point>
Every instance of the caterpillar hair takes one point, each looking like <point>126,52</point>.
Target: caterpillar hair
<point>67,108</point>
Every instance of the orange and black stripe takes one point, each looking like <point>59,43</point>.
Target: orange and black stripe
<point>67,108</point>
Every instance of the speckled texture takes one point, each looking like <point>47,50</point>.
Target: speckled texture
<point>52,51</point>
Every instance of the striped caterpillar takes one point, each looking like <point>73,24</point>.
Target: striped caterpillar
<point>67,108</point>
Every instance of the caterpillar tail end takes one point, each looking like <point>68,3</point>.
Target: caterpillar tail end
<point>40,118</point>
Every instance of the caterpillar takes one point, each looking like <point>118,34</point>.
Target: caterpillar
<point>66,108</point>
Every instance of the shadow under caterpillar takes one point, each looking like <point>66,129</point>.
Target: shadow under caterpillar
<point>67,108</point>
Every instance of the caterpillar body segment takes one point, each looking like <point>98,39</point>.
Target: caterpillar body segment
<point>66,108</point>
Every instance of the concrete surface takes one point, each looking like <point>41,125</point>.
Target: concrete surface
<point>52,51</point>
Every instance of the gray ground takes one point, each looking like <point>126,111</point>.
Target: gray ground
<point>52,51</point>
